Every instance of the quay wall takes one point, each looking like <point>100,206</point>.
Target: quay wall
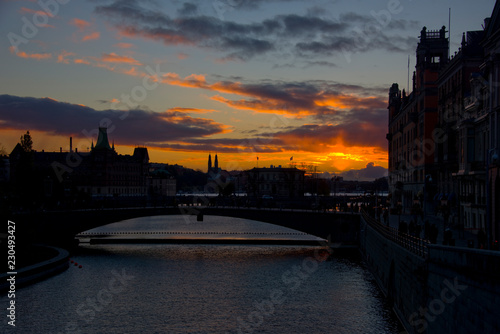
<point>400,274</point>
<point>446,290</point>
<point>464,290</point>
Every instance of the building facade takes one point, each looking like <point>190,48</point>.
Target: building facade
<point>68,175</point>
<point>444,142</point>
<point>412,125</point>
<point>104,172</point>
<point>460,173</point>
<point>275,181</point>
<point>489,93</point>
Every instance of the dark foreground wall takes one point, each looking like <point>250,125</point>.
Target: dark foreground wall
<point>450,290</point>
<point>464,290</point>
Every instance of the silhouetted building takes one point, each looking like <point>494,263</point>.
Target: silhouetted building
<point>488,93</point>
<point>462,125</point>
<point>162,183</point>
<point>213,170</point>
<point>4,169</point>
<point>104,172</point>
<point>276,181</point>
<point>412,123</point>
<point>444,142</point>
<point>67,175</point>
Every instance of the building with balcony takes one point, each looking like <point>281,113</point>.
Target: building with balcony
<point>488,93</point>
<point>460,179</point>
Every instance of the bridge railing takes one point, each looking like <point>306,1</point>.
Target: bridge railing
<point>413,244</point>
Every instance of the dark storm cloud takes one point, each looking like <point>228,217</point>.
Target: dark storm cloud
<point>304,35</point>
<point>134,127</point>
<point>188,9</point>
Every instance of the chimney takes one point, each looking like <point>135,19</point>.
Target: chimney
<point>71,144</point>
<point>60,149</point>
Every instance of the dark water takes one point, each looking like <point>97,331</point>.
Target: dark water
<point>205,289</point>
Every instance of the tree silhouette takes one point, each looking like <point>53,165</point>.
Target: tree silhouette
<point>3,151</point>
<point>27,142</point>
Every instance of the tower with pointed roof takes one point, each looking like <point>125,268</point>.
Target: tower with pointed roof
<point>103,141</point>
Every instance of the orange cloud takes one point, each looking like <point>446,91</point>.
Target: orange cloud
<point>81,61</point>
<point>262,106</point>
<point>80,24</point>
<point>192,110</point>
<point>314,98</point>
<point>37,56</point>
<point>124,45</point>
<point>61,58</point>
<point>114,58</point>
<point>25,10</point>
<point>91,36</point>
<point>199,81</point>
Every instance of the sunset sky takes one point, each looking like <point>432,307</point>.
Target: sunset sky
<point>271,79</point>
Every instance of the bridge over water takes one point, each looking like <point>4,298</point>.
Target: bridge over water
<point>60,227</point>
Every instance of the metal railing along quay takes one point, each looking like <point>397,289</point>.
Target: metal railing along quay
<point>413,244</point>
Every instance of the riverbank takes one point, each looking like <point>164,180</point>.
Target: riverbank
<point>56,260</point>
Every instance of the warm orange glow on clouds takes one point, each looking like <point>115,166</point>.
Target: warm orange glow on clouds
<point>37,56</point>
<point>92,36</point>
<point>124,45</point>
<point>25,10</point>
<point>81,61</point>
<point>80,24</point>
<point>282,100</point>
<point>61,58</point>
<point>192,110</point>
<point>114,58</point>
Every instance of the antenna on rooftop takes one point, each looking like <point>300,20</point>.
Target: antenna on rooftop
<point>408,82</point>
<point>449,26</point>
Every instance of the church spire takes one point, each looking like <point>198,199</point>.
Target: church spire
<point>216,163</point>
<point>209,163</point>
